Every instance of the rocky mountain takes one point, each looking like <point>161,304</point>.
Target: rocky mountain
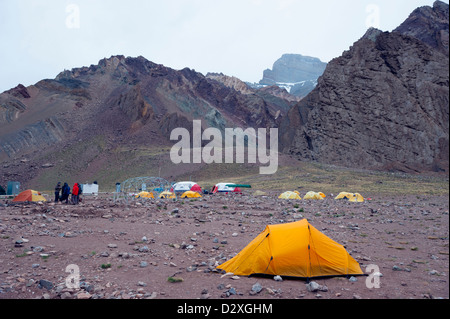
<point>90,119</point>
<point>296,73</point>
<point>429,25</point>
<point>383,104</point>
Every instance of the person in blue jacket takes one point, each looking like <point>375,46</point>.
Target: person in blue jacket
<point>65,193</point>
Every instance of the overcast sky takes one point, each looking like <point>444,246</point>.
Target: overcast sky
<point>242,38</point>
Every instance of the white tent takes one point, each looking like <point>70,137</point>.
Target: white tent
<point>182,187</point>
<point>223,188</point>
<point>90,189</point>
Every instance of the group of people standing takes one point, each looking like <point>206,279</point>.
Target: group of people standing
<point>63,192</point>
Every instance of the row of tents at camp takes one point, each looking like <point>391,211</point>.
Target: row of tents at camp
<point>352,197</point>
<point>182,187</point>
<point>192,190</point>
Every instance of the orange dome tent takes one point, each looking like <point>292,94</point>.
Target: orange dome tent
<point>293,250</point>
<point>29,196</point>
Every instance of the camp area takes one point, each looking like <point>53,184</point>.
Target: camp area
<point>149,242</point>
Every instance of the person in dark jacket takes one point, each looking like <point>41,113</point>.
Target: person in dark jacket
<point>65,193</point>
<point>80,191</point>
<point>57,191</point>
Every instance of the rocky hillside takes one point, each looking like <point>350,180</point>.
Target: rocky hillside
<point>384,104</point>
<point>296,73</point>
<point>87,117</point>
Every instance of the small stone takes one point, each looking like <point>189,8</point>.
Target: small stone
<point>256,288</point>
<point>312,286</point>
<point>277,278</point>
<point>84,296</point>
<point>66,295</point>
<point>270,291</point>
<point>143,264</point>
<point>45,284</point>
<point>144,249</point>
<point>191,268</point>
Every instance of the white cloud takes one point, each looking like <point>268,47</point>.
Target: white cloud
<point>236,37</point>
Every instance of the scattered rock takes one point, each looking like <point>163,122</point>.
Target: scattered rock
<point>277,278</point>
<point>45,284</point>
<point>256,288</point>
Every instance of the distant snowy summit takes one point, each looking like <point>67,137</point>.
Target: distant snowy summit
<point>296,73</point>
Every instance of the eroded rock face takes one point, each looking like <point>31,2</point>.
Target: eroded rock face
<point>383,104</point>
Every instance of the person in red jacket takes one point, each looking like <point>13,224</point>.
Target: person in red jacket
<point>75,194</point>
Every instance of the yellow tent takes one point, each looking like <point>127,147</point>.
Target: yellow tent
<point>145,195</point>
<point>344,195</point>
<point>313,195</point>
<point>352,197</point>
<point>289,195</point>
<point>295,250</point>
<point>29,196</point>
<point>167,194</point>
<point>190,194</point>
<point>357,198</point>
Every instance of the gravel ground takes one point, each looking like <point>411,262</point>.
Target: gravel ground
<point>131,251</point>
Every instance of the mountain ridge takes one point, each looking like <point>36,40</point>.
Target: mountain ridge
<point>382,105</point>
<point>91,116</point>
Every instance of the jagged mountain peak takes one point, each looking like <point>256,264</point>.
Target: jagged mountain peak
<point>430,25</point>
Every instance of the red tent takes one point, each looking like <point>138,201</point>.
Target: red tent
<point>196,188</point>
